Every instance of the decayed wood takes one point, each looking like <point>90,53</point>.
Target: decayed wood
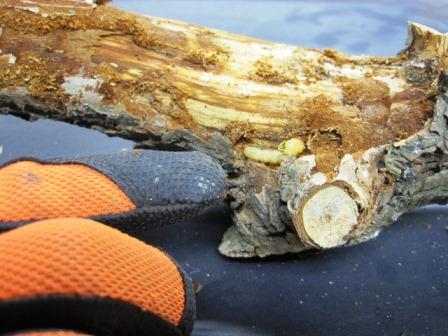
<point>322,149</point>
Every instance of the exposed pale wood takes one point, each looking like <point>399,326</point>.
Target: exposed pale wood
<point>374,128</point>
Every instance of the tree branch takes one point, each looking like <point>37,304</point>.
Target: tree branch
<point>322,149</point>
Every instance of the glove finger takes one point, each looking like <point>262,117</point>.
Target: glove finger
<point>128,191</point>
<point>77,274</point>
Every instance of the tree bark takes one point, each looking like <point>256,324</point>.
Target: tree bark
<point>322,149</point>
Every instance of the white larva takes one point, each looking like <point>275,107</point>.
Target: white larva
<point>292,147</point>
<point>271,156</point>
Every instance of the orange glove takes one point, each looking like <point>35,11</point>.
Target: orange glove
<point>82,276</point>
<point>129,191</point>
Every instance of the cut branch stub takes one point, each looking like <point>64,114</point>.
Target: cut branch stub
<point>327,216</point>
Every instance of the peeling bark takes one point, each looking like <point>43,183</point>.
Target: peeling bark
<point>368,133</point>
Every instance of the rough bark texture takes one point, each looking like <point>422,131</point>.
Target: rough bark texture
<point>374,128</point>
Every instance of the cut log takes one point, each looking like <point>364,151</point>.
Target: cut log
<point>322,149</point>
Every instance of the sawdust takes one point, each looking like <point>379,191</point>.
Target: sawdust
<point>32,73</point>
<point>44,81</point>
<point>103,18</point>
<point>365,91</point>
<point>239,132</point>
<point>266,72</point>
<point>153,85</point>
<point>407,118</point>
<point>206,59</point>
<point>338,58</point>
<point>331,134</point>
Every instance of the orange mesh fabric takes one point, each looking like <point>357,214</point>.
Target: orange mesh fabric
<point>31,190</point>
<point>83,257</point>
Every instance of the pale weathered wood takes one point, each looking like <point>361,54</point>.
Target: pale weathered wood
<point>322,149</point>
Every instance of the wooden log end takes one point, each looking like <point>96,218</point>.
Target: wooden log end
<point>326,217</point>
